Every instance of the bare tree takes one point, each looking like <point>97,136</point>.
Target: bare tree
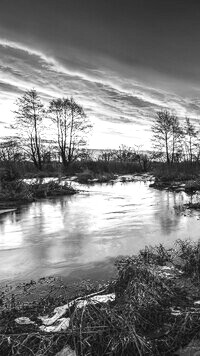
<point>143,158</point>
<point>162,132</point>
<point>107,155</point>
<point>28,120</point>
<point>190,138</point>
<point>72,127</point>
<point>176,137</point>
<point>167,134</point>
<point>125,154</point>
<point>10,150</point>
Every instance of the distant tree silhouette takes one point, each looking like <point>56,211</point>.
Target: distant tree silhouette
<point>177,136</point>
<point>190,138</point>
<point>28,124</point>
<point>167,134</point>
<point>72,127</point>
<point>126,154</point>
<point>10,150</point>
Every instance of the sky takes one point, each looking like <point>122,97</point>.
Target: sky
<point>122,60</point>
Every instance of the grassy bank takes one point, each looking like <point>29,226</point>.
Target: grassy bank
<point>180,171</point>
<point>181,176</point>
<point>17,191</point>
<point>155,312</point>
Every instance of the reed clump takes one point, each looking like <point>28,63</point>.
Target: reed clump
<point>19,191</point>
<point>177,171</point>
<point>50,189</point>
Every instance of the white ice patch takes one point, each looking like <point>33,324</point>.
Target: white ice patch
<point>24,321</point>
<point>58,313</point>
<point>80,303</point>
<point>56,323</point>
<point>96,299</point>
<point>61,325</point>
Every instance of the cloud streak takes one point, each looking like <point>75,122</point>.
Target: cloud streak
<point>115,103</point>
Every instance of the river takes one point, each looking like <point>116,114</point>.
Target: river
<point>80,235</point>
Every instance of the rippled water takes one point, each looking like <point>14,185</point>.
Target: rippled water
<point>83,232</point>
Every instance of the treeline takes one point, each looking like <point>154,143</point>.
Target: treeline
<point>54,139</point>
<point>120,161</point>
<point>174,141</point>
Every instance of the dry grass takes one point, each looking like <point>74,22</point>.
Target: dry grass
<point>181,171</point>
<point>153,313</point>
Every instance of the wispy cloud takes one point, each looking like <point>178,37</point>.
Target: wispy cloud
<point>116,104</point>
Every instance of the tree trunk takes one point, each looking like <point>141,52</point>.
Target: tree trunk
<point>64,158</point>
<point>167,149</point>
<point>36,141</point>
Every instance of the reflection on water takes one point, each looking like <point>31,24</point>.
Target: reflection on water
<point>62,235</point>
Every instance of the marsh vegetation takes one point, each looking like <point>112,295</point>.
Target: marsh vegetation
<point>155,311</point>
<point>156,306</point>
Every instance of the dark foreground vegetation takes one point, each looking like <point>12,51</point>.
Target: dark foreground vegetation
<point>155,312</point>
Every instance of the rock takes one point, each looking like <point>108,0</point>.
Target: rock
<point>66,351</point>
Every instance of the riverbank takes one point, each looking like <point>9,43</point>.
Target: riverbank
<point>188,186</point>
<point>150,308</point>
<point>179,176</point>
<point>15,193</point>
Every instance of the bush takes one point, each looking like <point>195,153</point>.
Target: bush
<point>180,171</point>
<point>15,191</point>
<point>50,189</point>
<point>20,191</point>
<point>85,176</point>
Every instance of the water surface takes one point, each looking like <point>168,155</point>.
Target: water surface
<point>84,232</point>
